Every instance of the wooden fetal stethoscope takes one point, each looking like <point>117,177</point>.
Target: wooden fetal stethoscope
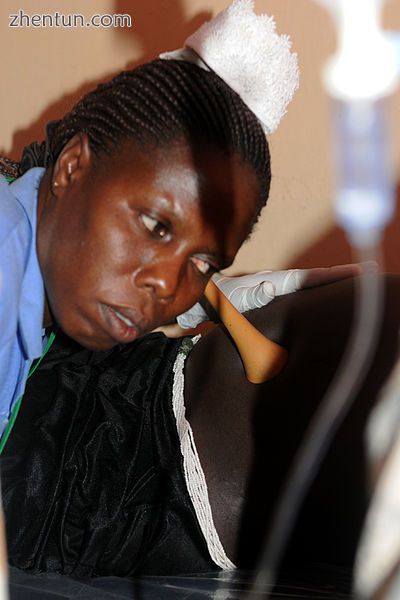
<point>262,358</point>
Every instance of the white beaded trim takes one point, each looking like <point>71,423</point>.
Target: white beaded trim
<point>194,475</point>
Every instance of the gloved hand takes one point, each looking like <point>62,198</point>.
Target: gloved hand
<point>258,289</point>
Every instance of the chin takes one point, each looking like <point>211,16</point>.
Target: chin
<point>90,342</point>
<point>97,346</point>
<point>84,333</point>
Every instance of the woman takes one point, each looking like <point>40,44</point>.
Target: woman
<point>145,189</point>
<point>150,172</point>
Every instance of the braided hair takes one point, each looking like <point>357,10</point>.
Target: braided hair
<point>154,104</point>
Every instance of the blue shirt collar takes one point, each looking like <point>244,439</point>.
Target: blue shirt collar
<point>31,305</point>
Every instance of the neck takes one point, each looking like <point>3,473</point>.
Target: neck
<point>47,316</point>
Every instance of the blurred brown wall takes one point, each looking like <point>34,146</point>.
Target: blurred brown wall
<point>45,70</point>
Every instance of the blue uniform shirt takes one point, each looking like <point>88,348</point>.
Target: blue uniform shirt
<point>21,288</point>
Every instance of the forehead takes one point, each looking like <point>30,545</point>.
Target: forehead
<point>214,187</point>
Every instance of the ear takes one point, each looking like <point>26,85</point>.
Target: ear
<point>72,161</point>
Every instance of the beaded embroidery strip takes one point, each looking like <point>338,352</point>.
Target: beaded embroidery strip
<point>194,475</point>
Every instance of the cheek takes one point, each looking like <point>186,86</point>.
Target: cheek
<point>73,277</point>
<point>104,256</point>
<point>122,249</point>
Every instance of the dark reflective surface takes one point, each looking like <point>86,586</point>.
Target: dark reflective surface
<point>322,583</point>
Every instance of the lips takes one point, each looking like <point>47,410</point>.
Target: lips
<point>123,318</point>
<point>120,324</point>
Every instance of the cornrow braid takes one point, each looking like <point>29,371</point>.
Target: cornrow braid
<point>156,103</point>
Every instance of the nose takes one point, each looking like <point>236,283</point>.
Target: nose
<point>162,279</point>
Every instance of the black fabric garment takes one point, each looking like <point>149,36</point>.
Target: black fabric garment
<point>92,473</point>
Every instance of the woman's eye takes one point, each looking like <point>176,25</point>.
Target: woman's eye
<point>203,266</point>
<point>154,225</point>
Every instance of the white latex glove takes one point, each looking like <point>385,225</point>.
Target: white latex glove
<point>258,289</point>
